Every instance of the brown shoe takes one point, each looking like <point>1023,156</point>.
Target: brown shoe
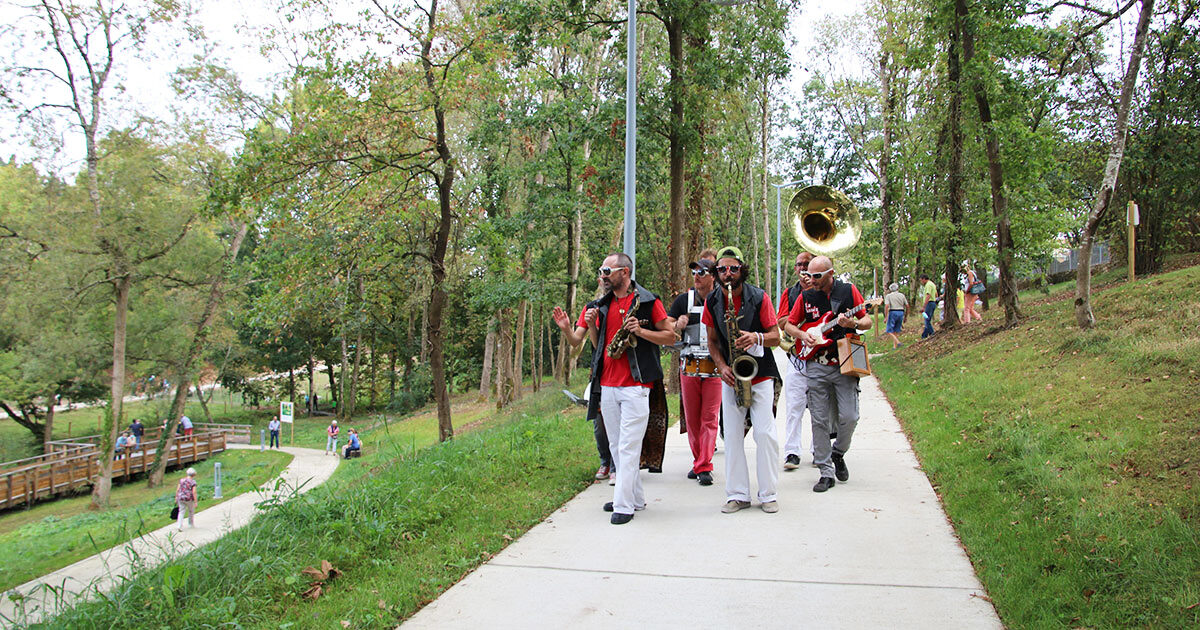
<point>733,505</point>
<point>770,507</point>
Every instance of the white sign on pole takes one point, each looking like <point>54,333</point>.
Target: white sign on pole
<point>286,411</point>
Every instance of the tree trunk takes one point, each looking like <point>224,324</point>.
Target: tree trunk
<point>1004,244</point>
<point>425,331</point>
<point>1083,273</point>
<point>504,384</point>
<point>48,431</point>
<point>676,247</point>
<point>445,185</point>
<point>489,343</point>
<point>344,396</point>
<point>291,384</point>
<point>312,386</point>
<point>333,389</point>
<point>199,340</point>
<point>885,163</point>
<point>108,437</point>
<point>766,206</point>
<point>954,187</point>
<point>203,402</point>
<point>517,376</point>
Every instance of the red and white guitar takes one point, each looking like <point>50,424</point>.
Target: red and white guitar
<point>823,325</point>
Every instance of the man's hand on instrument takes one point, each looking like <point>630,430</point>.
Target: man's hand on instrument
<point>561,318</point>
<point>727,376</point>
<point>745,340</point>
<point>589,317</point>
<point>845,321</point>
<point>632,325</point>
<point>808,338</point>
<point>681,323</point>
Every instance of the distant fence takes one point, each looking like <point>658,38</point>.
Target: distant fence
<point>1101,255</point>
<point>75,462</point>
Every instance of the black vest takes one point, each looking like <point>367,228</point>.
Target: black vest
<point>644,361</point>
<point>793,292</point>
<point>839,300</point>
<point>748,321</point>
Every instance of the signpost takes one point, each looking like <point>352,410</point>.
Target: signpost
<point>1133,220</point>
<point>287,411</point>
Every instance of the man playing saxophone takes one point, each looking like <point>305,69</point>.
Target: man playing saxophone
<point>753,317</point>
<point>623,374</point>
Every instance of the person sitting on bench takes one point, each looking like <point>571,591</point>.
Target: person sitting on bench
<point>354,448</point>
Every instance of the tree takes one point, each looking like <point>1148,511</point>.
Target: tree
<point>1083,276</point>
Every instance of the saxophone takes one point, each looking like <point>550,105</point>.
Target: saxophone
<point>744,367</point>
<point>623,339</point>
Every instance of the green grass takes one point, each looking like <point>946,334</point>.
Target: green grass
<point>55,534</point>
<point>403,523</point>
<point>1067,459</point>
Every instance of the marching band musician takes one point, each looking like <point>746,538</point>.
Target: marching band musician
<point>758,331</point>
<point>832,396</point>
<point>699,381</point>
<point>796,383</point>
<point>621,386</point>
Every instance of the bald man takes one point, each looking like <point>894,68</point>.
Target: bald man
<point>832,396</point>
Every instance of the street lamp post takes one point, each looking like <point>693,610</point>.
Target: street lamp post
<point>631,136</point>
<point>779,237</point>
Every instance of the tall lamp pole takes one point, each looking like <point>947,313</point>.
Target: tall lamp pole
<point>779,237</point>
<point>631,136</point>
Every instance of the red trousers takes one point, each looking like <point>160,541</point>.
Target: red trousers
<point>701,406</point>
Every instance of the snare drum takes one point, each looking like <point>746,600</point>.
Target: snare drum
<point>696,366</point>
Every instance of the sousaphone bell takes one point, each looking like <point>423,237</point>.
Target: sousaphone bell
<point>824,220</point>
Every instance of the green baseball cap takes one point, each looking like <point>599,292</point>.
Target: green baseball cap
<point>729,251</point>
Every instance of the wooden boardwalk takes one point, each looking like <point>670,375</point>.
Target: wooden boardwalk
<point>76,462</point>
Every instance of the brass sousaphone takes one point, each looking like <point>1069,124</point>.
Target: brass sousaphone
<point>825,223</point>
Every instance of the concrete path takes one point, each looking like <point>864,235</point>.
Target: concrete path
<point>99,573</point>
<point>875,552</point>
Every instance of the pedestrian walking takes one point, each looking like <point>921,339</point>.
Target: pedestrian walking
<point>332,440</point>
<point>897,305</point>
<point>273,426</point>
<point>185,498</point>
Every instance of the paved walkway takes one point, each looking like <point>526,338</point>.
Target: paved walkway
<point>875,552</point>
<point>308,469</point>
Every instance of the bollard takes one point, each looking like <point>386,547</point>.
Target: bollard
<point>262,439</point>
<point>217,480</point>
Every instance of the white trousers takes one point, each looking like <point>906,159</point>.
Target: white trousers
<point>796,390</point>
<point>626,412</point>
<point>737,472</point>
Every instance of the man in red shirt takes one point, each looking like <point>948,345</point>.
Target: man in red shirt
<point>757,333</point>
<point>621,383</point>
<point>832,396</point>
<point>699,382</point>
<point>795,383</point>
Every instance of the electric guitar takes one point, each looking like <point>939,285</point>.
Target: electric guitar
<point>823,325</point>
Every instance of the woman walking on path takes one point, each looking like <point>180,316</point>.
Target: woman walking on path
<point>331,442</point>
<point>969,311</point>
<point>185,498</point>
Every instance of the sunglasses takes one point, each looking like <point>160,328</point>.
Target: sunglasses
<point>699,272</point>
<point>817,275</point>
<point>729,268</point>
<point>607,271</point>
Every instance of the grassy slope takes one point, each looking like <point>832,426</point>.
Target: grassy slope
<point>403,523</point>
<point>55,534</point>
<point>1067,459</point>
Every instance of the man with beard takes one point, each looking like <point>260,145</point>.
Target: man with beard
<point>621,385</point>
<point>796,383</point>
<point>700,384</point>
<point>832,396</point>
<point>757,332</point>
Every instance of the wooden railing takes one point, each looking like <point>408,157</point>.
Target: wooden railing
<point>234,433</point>
<point>76,462</point>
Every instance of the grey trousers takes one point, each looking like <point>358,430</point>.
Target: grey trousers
<point>833,403</point>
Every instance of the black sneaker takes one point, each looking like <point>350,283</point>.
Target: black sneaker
<point>691,474</point>
<point>839,467</point>
<point>608,506</point>
<point>824,484</point>
<point>705,478</point>
<point>792,462</point>
<point>620,519</point>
